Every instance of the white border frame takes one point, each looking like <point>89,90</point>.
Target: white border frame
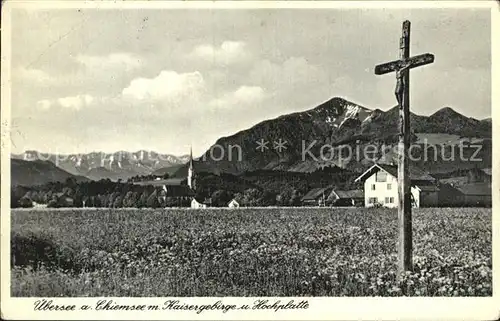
<point>319,308</point>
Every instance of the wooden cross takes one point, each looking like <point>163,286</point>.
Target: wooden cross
<point>402,68</point>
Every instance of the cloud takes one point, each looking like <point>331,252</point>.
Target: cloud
<point>122,61</point>
<point>75,102</point>
<point>229,52</point>
<point>38,76</point>
<point>71,102</point>
<point>244,95</point>
<point>168,86</point>
<point>292,73</point>
<point>44,104</point>
<point>168,89</point>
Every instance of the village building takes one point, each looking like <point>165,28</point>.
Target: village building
<point>233,204</point>
<point>465,195</point>
<point>316,196</point>
<point>39,205</point>
<point>197,204</point>
<point>381,187</point>
<point>478,175</point>
<point>486,175</point>
<point>455,181</point>
<point>476,194</point>
<point>470,176</point>
<point>201,203</point>
<point>346,198</point>
<point>180,191</point>
<point>62,200</point>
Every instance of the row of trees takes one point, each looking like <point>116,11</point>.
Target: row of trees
<point>148,197</point>
<point>264,188</point>
<point>143,178</point>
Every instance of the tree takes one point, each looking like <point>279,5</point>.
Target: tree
<point>53,203</point>
<point>112,198</point>
<point>171,201</point>
<point>97,201</point>
<point>143,199</point>
<point>295,198</point>
<point>132,199</point>
<point>221,198</point>
<point>283,198</point>
<point>239,198</point>
<point>15,195</point>
<point>47,197</point>
<point>78,197</point>
<point>118,202</point>
<point>135,199</point>
<point>86,201</point>
<point>251,197</point>
<point>104,200</point>
<point>68,191</point>
<point>127,200</point>
<point>268,199</point>
<point>14,200</point>
<point>70,182</point>
<point>153,200</point>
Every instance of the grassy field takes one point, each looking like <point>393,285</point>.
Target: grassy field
<point>247,252</point>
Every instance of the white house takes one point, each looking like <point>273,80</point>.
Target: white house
<point>233,204</point>
<point>39,205</point>
<point>381,187</point>
<point>196,204</point>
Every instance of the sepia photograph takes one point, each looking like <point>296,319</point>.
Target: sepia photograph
<point>254,152</point>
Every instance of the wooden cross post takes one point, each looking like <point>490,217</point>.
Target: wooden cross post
<point>402,68</point>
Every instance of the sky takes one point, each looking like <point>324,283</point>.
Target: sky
<point>164,80</point>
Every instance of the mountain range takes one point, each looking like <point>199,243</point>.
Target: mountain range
<point>325,132</point>
<point>328,129</point>
<point>118,165</point>
<point>38,172</point>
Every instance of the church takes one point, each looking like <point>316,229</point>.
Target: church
<point>181,192</point>
<point>176,192</point>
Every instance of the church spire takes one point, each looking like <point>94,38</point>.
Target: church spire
<point>191,158</point>
<point>191,175</point>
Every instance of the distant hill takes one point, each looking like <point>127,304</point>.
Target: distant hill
<point>447,120</point>
<point>336,124</point>
<point>170,170</point>
<point>310,141</point>
<point>98,173</point>
<point>118,165</point>
<point>30,173</point>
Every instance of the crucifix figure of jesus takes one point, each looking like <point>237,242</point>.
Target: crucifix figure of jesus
<point>402,68</point>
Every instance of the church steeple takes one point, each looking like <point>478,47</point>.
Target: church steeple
<point>191,173</point>
<point>191,158</point>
